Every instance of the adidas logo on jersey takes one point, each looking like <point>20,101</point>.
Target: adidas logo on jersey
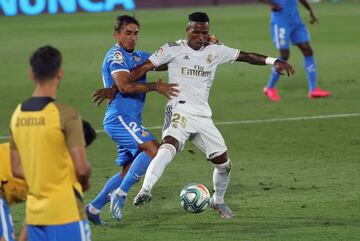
<point>186,57</point>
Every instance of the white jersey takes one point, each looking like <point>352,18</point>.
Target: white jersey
<point>193,71</point>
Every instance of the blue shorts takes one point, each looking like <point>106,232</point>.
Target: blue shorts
<point>76,231</point>
<point>128,134</point>
<point>283,33</point>
<point>6,225</point>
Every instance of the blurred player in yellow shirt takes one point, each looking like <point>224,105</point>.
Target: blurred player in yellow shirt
<point>48,151</point>
<point>11,190</point>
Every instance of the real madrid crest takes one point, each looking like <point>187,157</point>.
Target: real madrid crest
<point>209,58</point>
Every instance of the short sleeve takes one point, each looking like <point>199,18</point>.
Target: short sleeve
<point>227,54</point>
<point>117,62</point>
<point>161,56</point>
<point>71,124</point>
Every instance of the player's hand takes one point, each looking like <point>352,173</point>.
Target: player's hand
<point>313,19</point>
<point>212,39</point>
<point>276,8</point>
<point>282,66</point>
<point>167,90</point>
<point>102,94</point>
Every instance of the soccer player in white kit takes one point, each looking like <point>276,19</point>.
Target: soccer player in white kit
<point>192,65</point>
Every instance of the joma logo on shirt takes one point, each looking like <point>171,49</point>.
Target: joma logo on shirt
<point>30,121</point>
<point>196,71</point>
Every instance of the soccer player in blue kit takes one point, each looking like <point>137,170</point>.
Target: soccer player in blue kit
<point>286,27</point>
<point>122,122</point>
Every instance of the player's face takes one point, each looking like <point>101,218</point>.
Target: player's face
<point>198,33</point>
<point>127,36</point>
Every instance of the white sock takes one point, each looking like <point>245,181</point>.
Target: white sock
<point>157,166</point>
<point>120,192</point>
<point>221,179</point>
<point>93,209</point>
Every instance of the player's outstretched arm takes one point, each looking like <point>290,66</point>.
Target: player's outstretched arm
<point>141,70</point>
<point>126,82</point>
<point>258,59</point>
<point>163,67</point>
<point>313,19</point>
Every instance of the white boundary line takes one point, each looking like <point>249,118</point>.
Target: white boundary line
<point>245,122</point>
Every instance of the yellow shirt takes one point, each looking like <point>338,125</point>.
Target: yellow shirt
<point>43,138</point>
<point>5,169</point>
<point>14,189</point>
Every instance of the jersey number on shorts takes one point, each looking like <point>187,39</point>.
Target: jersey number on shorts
<point>282,32</point>
<point>178,119</point>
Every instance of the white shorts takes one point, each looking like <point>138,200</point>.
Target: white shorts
<point>200,130</point>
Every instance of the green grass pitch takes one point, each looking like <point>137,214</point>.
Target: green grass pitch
<point>292,179</point>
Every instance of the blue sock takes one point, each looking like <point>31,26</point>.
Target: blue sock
<point>103,197</point>
<point>274,77</point>
<point>136,170</point>
<point>311,72</point>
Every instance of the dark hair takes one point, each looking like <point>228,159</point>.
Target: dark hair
<point>89,132</point>
<point>199,17</point>
<point>123,20</point>
<point>45,62</point>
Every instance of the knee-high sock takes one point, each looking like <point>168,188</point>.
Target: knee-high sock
<point>163,157</point>
<point>136,171</point>
<point>311,71</point>
<point>221,178</point>
<point>103,197</point>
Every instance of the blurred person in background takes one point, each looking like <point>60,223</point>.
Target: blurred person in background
<point>287,27</point>
<point>47,149</point>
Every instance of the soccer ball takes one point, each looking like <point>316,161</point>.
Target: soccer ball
<point>195,198</point>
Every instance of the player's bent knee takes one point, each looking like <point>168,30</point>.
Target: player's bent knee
<point>150,148</point>
<point>224,167</point>
<point>307,52</point>
<point>172,141</point>
<point>215,158</point>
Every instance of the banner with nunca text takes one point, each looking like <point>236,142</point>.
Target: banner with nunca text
<point>36,7</point>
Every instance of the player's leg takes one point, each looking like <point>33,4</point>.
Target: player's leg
<point>136,171</point>
<point>301,38</point>
<point>164,156</point>
<point>93,210</point>
<point>145,146</point>
<point>281,39</point>
<point>6,225</point>
<point>175,133</point>
<point>139,165</point>
<point>210,141</point>
<point>221,178</point>
<point>121,136</point>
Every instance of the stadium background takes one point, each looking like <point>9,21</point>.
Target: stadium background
<point>296,163</point>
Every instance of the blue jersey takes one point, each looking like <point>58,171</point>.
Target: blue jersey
<point>287,26</point>
<point>118,59</point>
<point>289,12</point>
